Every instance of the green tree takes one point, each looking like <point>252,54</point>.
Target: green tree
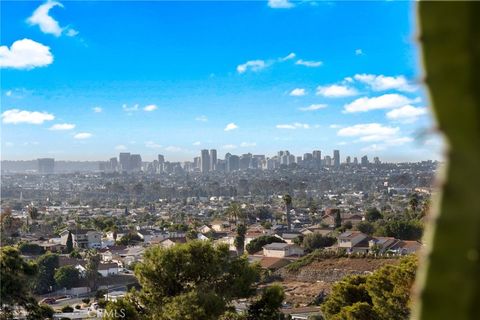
<point>346,292</point>
<point>316,241</point>
<point>383,295</point>
<point>268,306</point>
<point>120,309</point>
<point>373,214</point>
<point>287,199</point>
<point>67,277</point>
<point>69,242</point>
<point>45,281</point>
<point>195,280</point>
<point>33,212</point>
<point>337,219</point>
<point>240,238</point>
<point>15,275</point>
<point>365,227</point>
<point>257,244</point>
<point>30,248</point>
<point>234,212</point>
<point>130,239</point>
<point>91,269</point>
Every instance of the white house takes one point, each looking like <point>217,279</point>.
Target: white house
<point>282,250</point>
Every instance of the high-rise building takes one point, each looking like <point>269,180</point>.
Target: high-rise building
<point>328,161</point>
<point>307,157</point>
<point>349,160</point>
<point>355,161</point>
<point>205,161</point>
<point>197,163</point>
<point>114,164</point>
<point>317,157</point>
<point>46,165</point>
<point>364,161</point>
<point>125,165</point>
<point>213,159</point>
<point>336,158</point>
<point>135,163</point>
<point>376,160</point>
<point>233,163</point>
<point>161,158</point>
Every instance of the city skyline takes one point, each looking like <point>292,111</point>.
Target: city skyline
<point>292,78</point>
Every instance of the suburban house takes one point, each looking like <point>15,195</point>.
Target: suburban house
<point>151,236</point>
<point>289,237</point>
<point>357,242</point>
<point>82,238</point>
<point>282,250</point>
<point>317,229</point>
<point>170,242</point>
<point>353,241</point>
<point>116,235</point>
<point>108,269</point>
<point>123,256</point>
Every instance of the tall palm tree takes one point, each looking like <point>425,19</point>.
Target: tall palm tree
<point>287,199</point>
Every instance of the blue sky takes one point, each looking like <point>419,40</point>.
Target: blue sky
<point>86,80</point>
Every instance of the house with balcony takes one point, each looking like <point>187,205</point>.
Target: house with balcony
<point>82,238</point>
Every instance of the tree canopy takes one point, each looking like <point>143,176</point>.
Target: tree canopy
<point>383,295</point>
<point>195,280</point>
<point>257,244</point>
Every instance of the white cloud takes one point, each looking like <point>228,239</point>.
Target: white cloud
<point>16,116</point>
<point>368,131</point>
<point>229,146</point>
<point>202,118</point>
<point>253,65</point>
<point>97,109</point>
<point>152,145</point>
<point>398,141</point>
<point>311,64</point>
<point>280,4</point>
<point>374,148</point>
<point>82,135</point>
<point>150,107</point>
<point>47,23</point>
<point>386,101</point>
<point>359,52</point>
<point>335,90</point>
<point>25,54</point>
<point>120,147</point>
<point>406,113</point>
<point>334,126</point>
<point>130,109</point>
<point>9,93</point>
<point>62,126</point>
<point>313,107</point>
<point>248,144</point>
<point>9,144</point>
<point>386,143</point>
<point>298,92</point>
<point>290,56</point>
<point>197,143</point>
<point>173,149</point>
<point>72,32</point>
<point>231,126</point>
<point>293,126</point>
<point>383,83</point>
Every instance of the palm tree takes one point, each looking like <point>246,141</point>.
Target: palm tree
<point>287,199</point>
<point>234,212</point>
